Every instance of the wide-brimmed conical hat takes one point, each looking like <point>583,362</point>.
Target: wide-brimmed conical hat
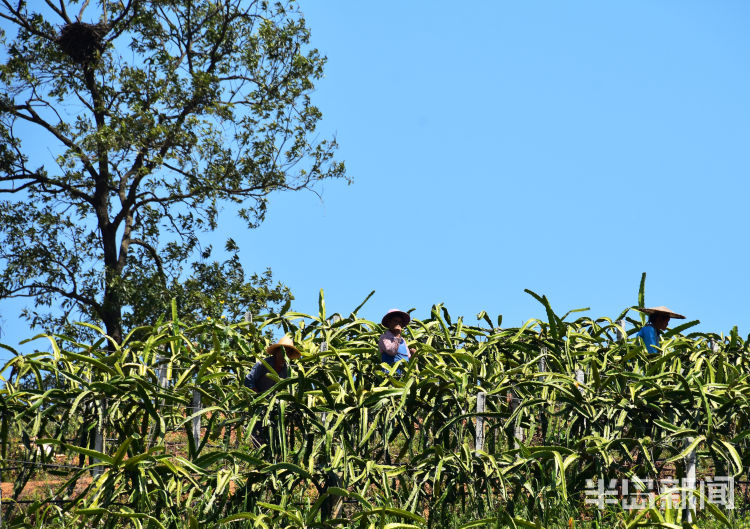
<point>661,309</point>
<point>288,345</point>
<point>395,312</point>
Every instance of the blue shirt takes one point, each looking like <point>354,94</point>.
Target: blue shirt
<point>402,354</point>
<point>388,342</point>
<point>650,337</point>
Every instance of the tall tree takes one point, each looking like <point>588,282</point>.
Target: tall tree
<point>159,112</point>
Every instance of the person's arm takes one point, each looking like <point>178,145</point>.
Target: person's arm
<point>388,345</point>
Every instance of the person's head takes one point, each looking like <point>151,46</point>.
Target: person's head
<point>395,320</point>
<point>283,348</point>
<point>660,320</point>
<point>659,316</point>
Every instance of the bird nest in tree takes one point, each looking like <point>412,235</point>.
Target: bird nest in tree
<point>82,41</point>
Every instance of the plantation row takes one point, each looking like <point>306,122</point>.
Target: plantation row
<point>350,445</point>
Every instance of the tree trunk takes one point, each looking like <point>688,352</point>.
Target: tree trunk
<point>112,302</point>
<point>112,315</point>
<point>111,312</point>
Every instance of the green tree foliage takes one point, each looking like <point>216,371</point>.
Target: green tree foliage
<point>160,112</point>
<point>214,291</point>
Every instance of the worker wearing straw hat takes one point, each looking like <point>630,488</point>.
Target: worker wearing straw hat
<point>658,321</point>
<point>258,379</point>
<point>392,345</point>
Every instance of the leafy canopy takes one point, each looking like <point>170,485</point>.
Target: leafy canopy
<point>158,113</point>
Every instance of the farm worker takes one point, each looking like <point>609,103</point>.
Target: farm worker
<point>258,379</point>
<point>658,320</point>
<point>391,344</point>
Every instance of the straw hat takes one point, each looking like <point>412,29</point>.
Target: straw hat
<point>288,345</point>
<point>661,309</point>
<point>395,312</point>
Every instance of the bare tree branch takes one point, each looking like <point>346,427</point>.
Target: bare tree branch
<point>155,256</point>
<point>59,10</point>
<point>44,287</point>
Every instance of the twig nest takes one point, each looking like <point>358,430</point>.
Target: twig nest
<point>81,41</point>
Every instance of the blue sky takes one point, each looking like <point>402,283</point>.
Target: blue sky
<point>563,147</point>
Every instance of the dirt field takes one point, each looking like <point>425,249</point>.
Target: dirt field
<point>35,489</point>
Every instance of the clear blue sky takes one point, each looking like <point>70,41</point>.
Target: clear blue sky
<point>564,147</point>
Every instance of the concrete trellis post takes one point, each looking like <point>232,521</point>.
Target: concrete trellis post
<point>517,430</point>
<point>690,463</point>
<point>197,418</point>
<point>323,348</point>
<point>481,400</point>
<point>621,334</point>
<point>161,377</point>
<point>580,378</point>
<point>518,435</point>
<point>543,360</point>
<point>162,372</point>
<point>580,381</point>
<point>544,421</point>
<point>99,434</point>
